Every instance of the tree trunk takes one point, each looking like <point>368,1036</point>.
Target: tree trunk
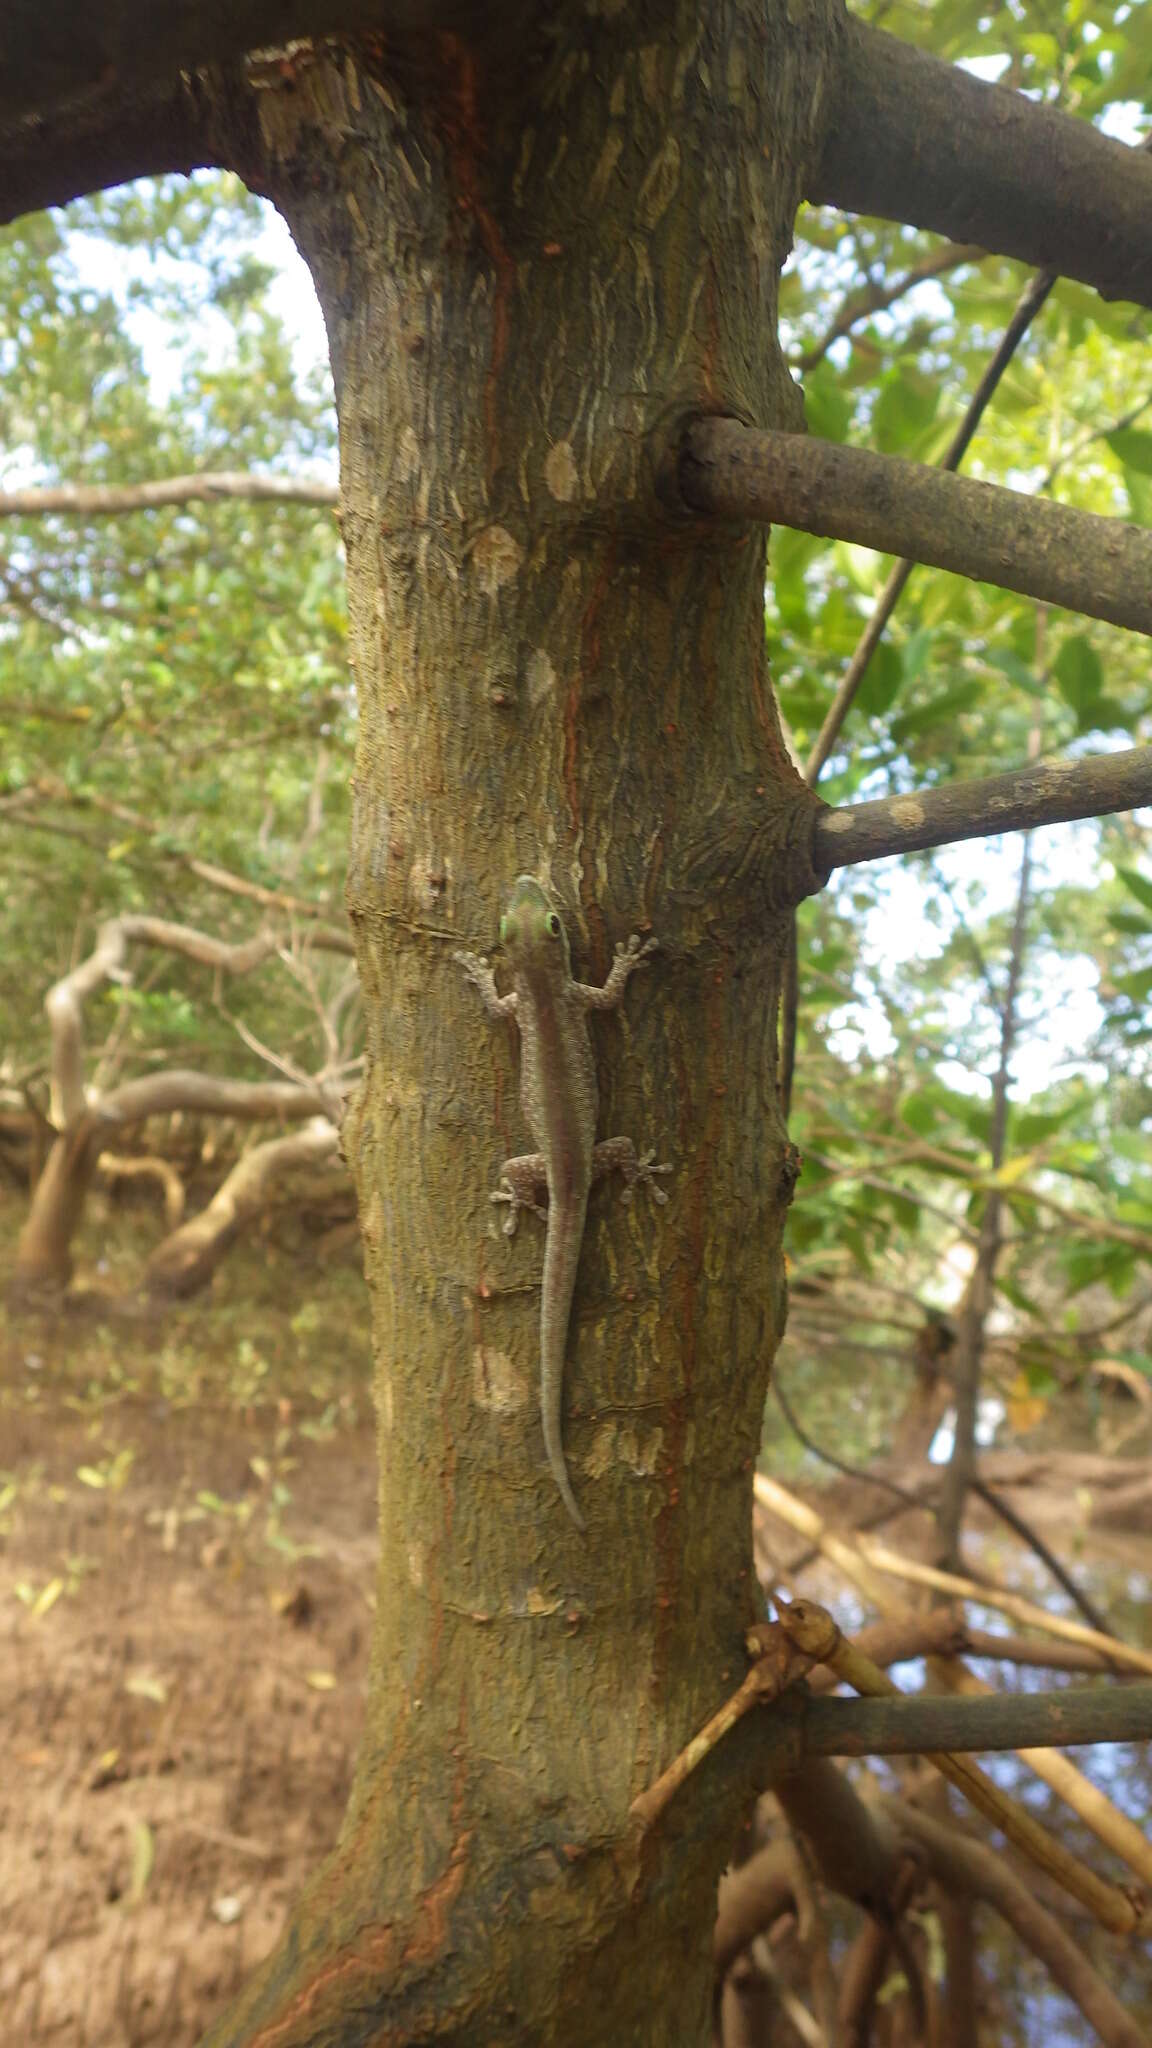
<point>42,1266</point>
<point>536,259</point>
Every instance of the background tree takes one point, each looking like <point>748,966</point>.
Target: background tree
<point>561,667</point>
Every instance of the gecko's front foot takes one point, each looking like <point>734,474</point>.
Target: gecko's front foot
<point>635,949</point>
<point>475,967</point>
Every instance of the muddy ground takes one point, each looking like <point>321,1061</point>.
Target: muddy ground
<point>187,1546</point>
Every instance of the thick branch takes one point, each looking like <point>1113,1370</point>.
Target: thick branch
<point>913,139</point>
<point>116,132</point>
<point>52,50</point>
<point>1050,793</point>
<point>211,1095</point>
<point>92,96</point>
<point>1088,564</point>
<point>187,1259</point>
<point>906,1725</point>
<point>98,501</point>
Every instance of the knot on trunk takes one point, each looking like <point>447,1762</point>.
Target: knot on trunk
<point>755,855</point>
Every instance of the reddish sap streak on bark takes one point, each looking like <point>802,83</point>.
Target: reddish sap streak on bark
<point>589,662</point>
<point>464,134</point>
<point>377,1958</point>
<point>381,1955</point>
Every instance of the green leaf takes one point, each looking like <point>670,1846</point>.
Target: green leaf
<point>1079,676</point>
<point>882,680</point>
<point>1133,445</point>
<point>1017,671</point>
<point>1138,885</point>
<point>916,651</point>
<point>1031,1126</point>
<point>905,408</point>
<point>1137,987</point>
<point>939,713</point>
<point>143,1859</point>
<point>826,409</point>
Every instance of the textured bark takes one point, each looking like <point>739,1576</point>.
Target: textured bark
<point>534,265</point>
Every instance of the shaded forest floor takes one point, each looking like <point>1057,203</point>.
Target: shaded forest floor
<point>187,1547</point>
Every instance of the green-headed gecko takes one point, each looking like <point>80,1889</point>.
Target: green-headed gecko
<point>559,1100</point>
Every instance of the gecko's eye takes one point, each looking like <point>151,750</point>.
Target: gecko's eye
<point>553,925</point>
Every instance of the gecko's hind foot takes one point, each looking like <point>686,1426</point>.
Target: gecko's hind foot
<point>516,1200</point>
<point>646,1172</point>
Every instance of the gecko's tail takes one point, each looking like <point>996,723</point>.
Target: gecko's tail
<point>559,1472</point>
<point>561,1252</point>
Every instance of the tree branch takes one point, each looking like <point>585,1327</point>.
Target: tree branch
<point>92,96</point>
<point>907,1724</point>
<point>807,1627</point>
<point>878,1556</point>
<point>913,139</point>
<point>1051,793</point>
<point>118,130</point>
<point>212,1095</point>
<point>1093,1807</point>
<point>17,810</point>
<point>968,1866</point>
<point>100,501</point>
<point>1102,567</point>
<point>52,50</point>
<point>185,1260</point>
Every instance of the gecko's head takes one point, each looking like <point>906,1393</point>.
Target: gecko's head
<point>532,930</point>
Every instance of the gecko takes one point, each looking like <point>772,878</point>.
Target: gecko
<point>559,1098</point>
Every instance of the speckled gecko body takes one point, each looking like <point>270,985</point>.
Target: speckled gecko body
<point>559,1098</point>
